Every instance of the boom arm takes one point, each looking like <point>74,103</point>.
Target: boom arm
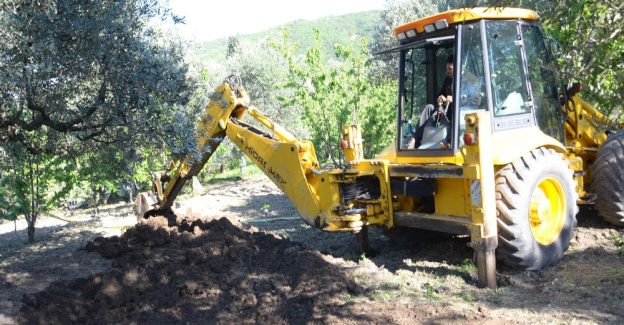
<point>167,184</point>
<point>289,162</point>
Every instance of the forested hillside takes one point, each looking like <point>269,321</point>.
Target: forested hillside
<point>345,29</point>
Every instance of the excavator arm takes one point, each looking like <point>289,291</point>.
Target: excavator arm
<point>345,199</point>
<point>211,130</point>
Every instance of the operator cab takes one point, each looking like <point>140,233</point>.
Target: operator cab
<point>500,64</point>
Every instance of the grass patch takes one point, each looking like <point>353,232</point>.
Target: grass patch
<point>430,292</point>
<point>13,245</point>
<point>618,240</point>
<point>468,266</point>
<point>234,174</point>
<point>468,297</point>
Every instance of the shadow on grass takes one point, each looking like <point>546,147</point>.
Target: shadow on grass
<point>18,239</point>
<point>57,254</point>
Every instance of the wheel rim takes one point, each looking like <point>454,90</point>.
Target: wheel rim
<point>547,211</point>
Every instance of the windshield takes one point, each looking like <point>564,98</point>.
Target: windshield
<point>523,82</point>
<point>543,82</point>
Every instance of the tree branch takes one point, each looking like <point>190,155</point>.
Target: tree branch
<point>44,119</point>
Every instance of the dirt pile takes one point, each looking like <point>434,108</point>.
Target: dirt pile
<point>176,270</point>
<point>169,271</point>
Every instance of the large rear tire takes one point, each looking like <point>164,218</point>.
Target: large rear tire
<point>608,180</point>
<point>536,209</point>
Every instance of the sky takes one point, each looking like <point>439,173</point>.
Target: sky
<point>207,20</point>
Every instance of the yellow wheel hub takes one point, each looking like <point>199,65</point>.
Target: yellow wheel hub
<point>547,211</point>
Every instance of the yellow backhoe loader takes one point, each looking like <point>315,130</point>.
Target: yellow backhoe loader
<point>505,160</point>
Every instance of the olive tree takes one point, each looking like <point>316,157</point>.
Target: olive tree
<point>592,44</point>
<point>80,76</point>
<point>98,70</point>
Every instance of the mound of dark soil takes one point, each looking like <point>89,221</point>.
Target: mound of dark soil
<point>175,270</point>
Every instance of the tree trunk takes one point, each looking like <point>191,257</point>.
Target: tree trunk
<point>95,198</point>
<point>31,220</point>
<point>31,233</point>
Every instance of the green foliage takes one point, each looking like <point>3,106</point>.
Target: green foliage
<point>592,42</point>
<point>32,183</point>
<point>98,82</point>
<point>429,291</point>
<point>337,94</point>
<point>94,69</point>
<point>265,207</point>
<point>618,240</point>
<point>468,266</point>
<point>468,296</point>
<point>104,172</point>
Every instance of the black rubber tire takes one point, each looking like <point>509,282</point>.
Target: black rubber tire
<point>607,179</point>
<point>518,189</point>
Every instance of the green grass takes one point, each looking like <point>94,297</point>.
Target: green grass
<point>429,292</point>
<point>618,240</point>
<point>468,266</point>
<point>13,245</point>
<point>468,297</point>
<point>234,174</point>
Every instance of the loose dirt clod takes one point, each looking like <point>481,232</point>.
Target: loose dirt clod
<point>203,271</point>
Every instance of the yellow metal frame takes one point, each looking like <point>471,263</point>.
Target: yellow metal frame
<point>585,129</point>
<point>585,126</point>
<point>523,140</point>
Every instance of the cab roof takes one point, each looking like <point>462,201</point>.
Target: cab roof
<point>466,15</point>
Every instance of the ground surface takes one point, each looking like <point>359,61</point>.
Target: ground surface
<point>250,259</point>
